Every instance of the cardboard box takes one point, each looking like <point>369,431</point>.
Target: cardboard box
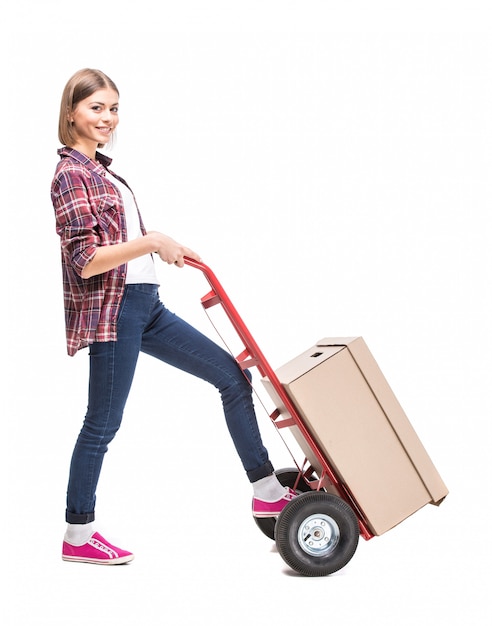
<point>354,417</point>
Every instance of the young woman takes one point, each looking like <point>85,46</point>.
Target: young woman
<point>112,306</point>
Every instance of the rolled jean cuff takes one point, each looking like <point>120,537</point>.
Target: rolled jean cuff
<point>82,518</point>
<point>260,472</point>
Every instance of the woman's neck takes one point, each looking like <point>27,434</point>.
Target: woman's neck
<point>88,151</point>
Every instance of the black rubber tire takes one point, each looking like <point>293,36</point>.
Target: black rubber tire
<point>317,511</point>
<point>287,477</point>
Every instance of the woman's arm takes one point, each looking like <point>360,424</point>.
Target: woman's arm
<point>108,257</point>
<point>81,238</point>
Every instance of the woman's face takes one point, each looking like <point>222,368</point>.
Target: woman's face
<point>94,120</point>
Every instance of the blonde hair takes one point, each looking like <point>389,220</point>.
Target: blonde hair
<point>80,86</point>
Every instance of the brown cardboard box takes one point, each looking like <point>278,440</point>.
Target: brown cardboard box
<point>355,419</point>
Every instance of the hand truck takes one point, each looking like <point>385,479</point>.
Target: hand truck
<point>317,533</point>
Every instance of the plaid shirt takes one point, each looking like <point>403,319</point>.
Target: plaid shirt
<point>89,213</point>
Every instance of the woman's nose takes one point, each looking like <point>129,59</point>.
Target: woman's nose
<point>106,115</point>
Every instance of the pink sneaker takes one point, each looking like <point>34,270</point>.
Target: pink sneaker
<point>262,508</point>
<point>96,550</point>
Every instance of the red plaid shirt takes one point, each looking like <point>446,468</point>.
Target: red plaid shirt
<point>89,213</point>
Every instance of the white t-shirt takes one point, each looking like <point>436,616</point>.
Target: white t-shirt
<point>141,269</point>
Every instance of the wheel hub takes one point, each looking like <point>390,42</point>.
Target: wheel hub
<point>318,535</point>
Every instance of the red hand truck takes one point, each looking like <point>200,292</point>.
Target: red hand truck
<point>317,533</point>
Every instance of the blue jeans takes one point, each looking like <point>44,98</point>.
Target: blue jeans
<point>145,325</point>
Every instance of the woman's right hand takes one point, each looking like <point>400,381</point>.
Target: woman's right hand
<point>171,251</point>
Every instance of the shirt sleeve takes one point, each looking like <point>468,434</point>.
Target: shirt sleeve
<point>76,223</point>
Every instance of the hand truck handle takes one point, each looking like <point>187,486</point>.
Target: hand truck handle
<point>252,356</point>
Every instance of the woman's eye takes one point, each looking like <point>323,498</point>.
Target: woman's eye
<point>98,108</point>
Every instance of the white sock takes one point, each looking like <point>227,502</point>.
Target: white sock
<point>268,489</point>
<point>78,534</point>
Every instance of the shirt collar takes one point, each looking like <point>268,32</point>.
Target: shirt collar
<point>101,159</point>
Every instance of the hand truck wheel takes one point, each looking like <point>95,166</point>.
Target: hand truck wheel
<point>317,533</point>
<point>287,477</point>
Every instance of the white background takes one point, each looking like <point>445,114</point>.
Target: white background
<point>331,162</point>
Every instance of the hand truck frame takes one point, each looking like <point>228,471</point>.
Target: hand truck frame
<point>317,533</point>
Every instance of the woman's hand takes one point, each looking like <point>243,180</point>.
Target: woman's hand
<point>171,251</point>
